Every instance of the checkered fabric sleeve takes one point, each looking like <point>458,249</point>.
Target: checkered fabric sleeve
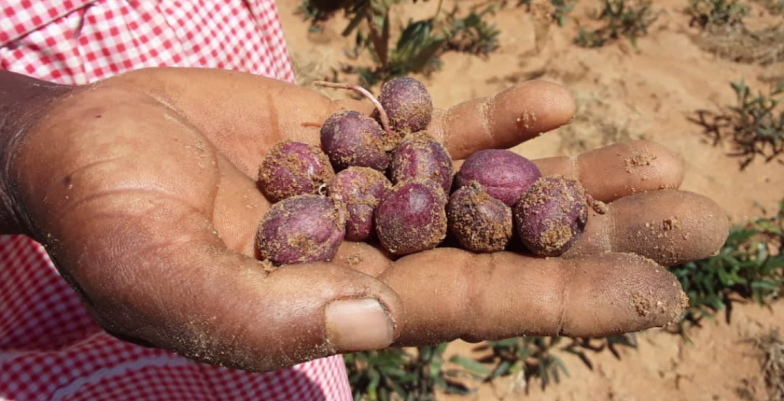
<point>80,41</point>
<point>50,348</point>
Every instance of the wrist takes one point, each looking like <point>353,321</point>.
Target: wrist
<point>23,101</point>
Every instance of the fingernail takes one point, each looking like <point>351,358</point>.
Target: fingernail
<point>358,325</point>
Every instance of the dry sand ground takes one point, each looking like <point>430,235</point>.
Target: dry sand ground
<point>623,93</point>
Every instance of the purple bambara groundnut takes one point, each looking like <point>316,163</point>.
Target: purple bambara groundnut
<point>301,229</point>
<point>293,168</point>
<point>407,103</point>
<point>551,215</point>
<point>503,174</point>
<point>420,156</point>
<point>411,217</point>
<point>480,222</point>
<point>361,190</point>
<point>350,138</point>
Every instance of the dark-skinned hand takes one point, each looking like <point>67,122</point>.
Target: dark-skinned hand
<point>143,189</point>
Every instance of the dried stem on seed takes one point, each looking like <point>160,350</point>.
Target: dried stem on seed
<point>598,206</point>
<point>381,112</point>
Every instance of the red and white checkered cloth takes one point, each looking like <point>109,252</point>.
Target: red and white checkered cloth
<point>50,348</point>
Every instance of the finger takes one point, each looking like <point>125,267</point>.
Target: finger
<point>504,120</point>
<point>366,257</point>
<point>450,294</point>
<point>668,226</point>
<point>618,170</point>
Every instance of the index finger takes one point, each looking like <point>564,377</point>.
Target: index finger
<point>504,120</point>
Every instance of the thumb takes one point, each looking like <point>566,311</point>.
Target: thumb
<point>176,286</point>
<point>237,312</point>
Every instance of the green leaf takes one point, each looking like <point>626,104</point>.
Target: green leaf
<point>425,353</point>
<point>524,353</point>
<point>395,372</point>
<point>375,378</point>
<point>560,365</point>
<point>725,279</point>
<point>556,375</point>
<point>398,389</point>
<point>426,55</point>
<point>543,374</point>
<point>470,365</point>
<point>415,33</point>
<point>775,262</point>
<point>502,369</point>
<point>768,285</point>
<point>516,368</point>
<point>441,348</point>
<point>353,23</point>
<point>435,368</point>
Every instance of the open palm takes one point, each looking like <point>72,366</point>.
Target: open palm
<point>143,188</point>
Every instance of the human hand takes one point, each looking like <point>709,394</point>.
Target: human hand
<point>143,189</point>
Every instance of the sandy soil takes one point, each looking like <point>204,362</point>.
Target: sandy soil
<point>623,93</point>
<point>718,365</point>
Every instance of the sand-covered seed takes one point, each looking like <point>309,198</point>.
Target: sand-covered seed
<point>350,138</point>
<point>421,156</point>
<point>293,168</point>
<point>301,229</point>
<point>407,103</point>
<point>503,174</point>
<point>480,222</point>
<point>551,215</point>
<point>361,190</point>
<point>412,217</point>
